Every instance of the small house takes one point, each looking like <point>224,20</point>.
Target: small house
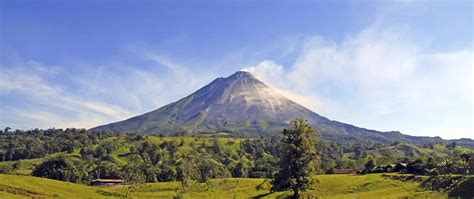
<point>107,182</point>
<point>415,167</point>
<point>400,167</point>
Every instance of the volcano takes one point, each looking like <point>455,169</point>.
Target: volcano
<point>242,104</point>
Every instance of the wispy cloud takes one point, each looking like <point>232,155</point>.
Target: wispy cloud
<point>29,83</point>
<point>47,119</point>
<point>380,78</point>
<point>92,94</point>
<point>275,76</point>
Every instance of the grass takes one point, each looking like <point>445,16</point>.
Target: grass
<point>329,186</point>
<point>15,186</point>
<point>369,186</point>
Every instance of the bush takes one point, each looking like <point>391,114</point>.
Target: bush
<point>167,173</point>
<point>257,174</point>
<point>106,169</point>
<point>5,169</point>
<point>330,171</point>
<point>17,164</point>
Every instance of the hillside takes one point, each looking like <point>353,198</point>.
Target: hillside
<point>329,186</point>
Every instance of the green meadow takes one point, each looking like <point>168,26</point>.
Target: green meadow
<point>328,186</point>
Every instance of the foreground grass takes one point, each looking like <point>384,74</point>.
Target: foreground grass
<point>329,186</point>
<point>15,186</point>
<point>369,186</point>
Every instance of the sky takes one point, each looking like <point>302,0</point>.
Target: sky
<point>402,65</point>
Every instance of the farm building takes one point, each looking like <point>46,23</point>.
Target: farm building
<point>400,167</point>
<point>415,168</point>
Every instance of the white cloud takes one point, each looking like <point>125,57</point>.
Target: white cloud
<point>87,95</point>
<point>31,86</point>
<point>274,75</point>
<point>265,70</point>
<point>380,78</point>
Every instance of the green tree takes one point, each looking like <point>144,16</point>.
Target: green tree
<point>187,172</point>
<point>297,158</point>
<point>167,173</point>
<point>151,172</point>
<point>58,168</point>
<point>369,166</point>
<point>447,166</point>
<point>107,170</point>
<point>209,168</point>
<point>240,171</point>
<point>133,173</point>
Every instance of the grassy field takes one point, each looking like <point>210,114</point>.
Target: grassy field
<point>15,186</point>
<point>329,186</point>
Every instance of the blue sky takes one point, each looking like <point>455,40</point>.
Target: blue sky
<point>385,65</point>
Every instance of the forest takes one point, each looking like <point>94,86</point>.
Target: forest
<point>77,155</point>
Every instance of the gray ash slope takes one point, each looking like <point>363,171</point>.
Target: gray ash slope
<point>243,104</point>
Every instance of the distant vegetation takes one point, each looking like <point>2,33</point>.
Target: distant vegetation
<point>77,155</point>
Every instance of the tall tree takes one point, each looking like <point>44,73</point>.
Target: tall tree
<point>187,172</point>
<point>297,158</point>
